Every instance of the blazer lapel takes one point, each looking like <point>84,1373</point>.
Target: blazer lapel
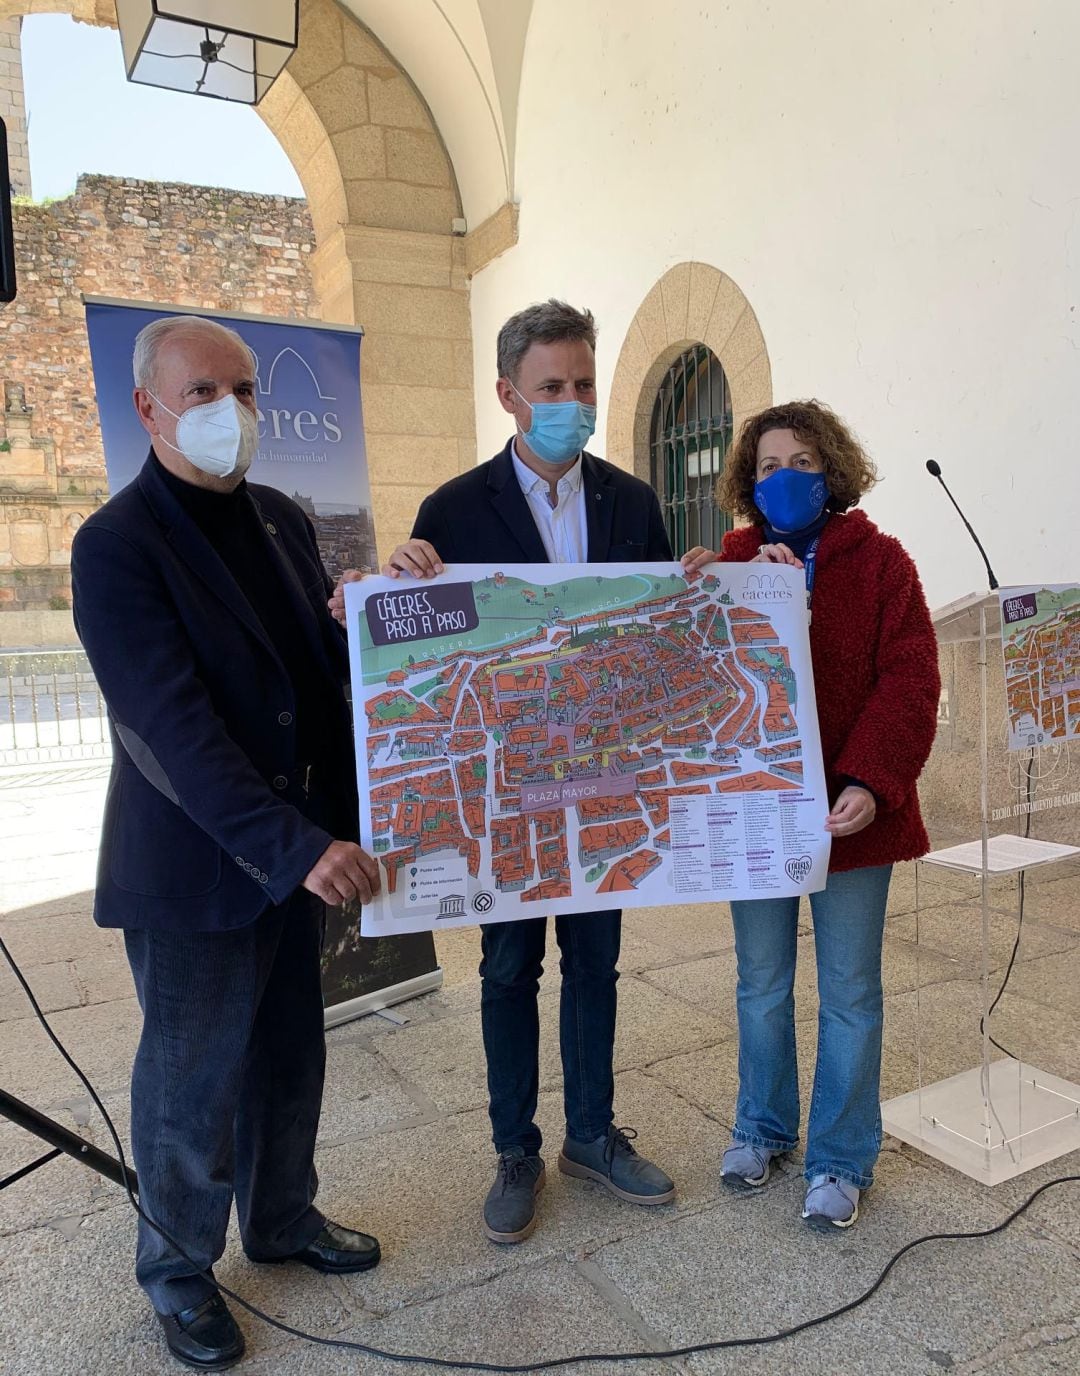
<point>599,508</point>
<point>512,508</point>
<point>298,598</point>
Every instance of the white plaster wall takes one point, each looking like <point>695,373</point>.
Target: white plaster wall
<point>896,190</point>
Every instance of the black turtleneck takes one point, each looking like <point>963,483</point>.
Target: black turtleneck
<point>798,541</point>
<point>231,523</point>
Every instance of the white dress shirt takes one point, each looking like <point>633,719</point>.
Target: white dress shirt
<point>562,527</point>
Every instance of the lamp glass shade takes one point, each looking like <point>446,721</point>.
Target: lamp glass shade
<point>228,49</point>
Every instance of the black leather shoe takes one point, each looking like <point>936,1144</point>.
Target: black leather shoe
<point>336,1250</point>
<point>205,1336</point>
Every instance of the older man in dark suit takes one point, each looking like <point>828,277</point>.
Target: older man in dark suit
<point>544,499</point>
<point>230,821</point>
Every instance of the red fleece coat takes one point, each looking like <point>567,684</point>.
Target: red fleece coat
<point>876,675</point>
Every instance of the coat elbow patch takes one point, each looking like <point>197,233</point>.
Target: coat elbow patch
<point>146,762</point>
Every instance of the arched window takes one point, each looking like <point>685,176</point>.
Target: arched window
<point>690,435</point>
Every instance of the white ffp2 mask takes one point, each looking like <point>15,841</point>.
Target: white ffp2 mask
<point>218,437</point>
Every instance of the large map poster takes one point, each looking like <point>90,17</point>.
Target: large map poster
<point>544,739</point>
<point>1040,639</point>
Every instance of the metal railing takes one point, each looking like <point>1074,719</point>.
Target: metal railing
<point>51,709</point>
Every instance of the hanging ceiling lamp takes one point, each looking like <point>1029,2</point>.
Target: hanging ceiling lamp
<point>228,49</point>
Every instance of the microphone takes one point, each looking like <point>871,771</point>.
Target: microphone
<point>934,469</point>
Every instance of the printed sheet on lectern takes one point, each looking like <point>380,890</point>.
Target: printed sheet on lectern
<point>1040,639</point>
<point>544,739</point>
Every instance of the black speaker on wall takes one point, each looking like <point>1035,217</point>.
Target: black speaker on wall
<point>7,238</point>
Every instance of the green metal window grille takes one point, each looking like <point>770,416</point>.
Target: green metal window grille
<point>689,438</point>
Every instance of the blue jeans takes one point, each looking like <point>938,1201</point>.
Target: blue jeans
<point>510,970</point>
<point>226,1092</point>
<point>843,1134</point>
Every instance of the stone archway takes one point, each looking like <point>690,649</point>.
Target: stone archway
<point>693,303</point>
<point>384,201</point>
<point>390,250</point>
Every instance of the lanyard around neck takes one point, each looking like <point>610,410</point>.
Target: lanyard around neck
<point>810,568</point>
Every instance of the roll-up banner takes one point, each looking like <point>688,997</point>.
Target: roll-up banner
<point>311,447</point>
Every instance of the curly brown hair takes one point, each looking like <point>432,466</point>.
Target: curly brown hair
<point>849,469</point>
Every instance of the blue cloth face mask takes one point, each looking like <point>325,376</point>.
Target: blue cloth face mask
<point>559,429</point>
<point>790,499</point>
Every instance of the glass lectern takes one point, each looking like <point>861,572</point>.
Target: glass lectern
<point>996,1037</point>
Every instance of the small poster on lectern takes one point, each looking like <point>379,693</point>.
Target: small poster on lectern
<point>1040,640</point>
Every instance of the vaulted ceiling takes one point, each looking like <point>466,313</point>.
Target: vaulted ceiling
<point>465,57</point>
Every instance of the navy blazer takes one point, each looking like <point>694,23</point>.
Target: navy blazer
<point>205,823</point>
<point>483,517</point>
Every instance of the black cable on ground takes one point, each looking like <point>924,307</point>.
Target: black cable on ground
<point>448,1363</point>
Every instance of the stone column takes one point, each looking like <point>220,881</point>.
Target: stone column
<point>391,256</point>
<point>13,105</point>
<point>410,292</point>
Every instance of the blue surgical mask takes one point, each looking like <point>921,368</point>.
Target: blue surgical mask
<point>559,429</point>
<point>790,500</point>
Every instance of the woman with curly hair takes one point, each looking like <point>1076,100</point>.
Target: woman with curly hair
<point>795,472</point>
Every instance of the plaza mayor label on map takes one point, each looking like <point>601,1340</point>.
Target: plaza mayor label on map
<point>542,739</point>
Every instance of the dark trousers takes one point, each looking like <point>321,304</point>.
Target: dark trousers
<point>513,961</point>
<point>226,1092</point>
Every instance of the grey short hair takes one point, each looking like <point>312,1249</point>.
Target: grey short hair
<point>151,338</point>
<point>545,323</point>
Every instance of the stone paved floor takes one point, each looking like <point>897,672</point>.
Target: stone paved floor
<point>405,1153</point>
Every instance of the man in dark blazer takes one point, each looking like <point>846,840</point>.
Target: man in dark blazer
<point>544,499</point>
<point>229,822</point>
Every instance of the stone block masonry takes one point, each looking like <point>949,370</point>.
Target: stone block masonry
<point>181,245</point>
<point>382,198</point>
<point>141,241</point>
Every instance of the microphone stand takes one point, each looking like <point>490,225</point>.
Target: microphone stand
<point>934,469</point>
<point>62,1140</point>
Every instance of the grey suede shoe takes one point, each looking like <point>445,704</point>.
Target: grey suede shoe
<point>510,1208</point>
<point>612,1162</point>
<point>746,1166</point>
<point>831,1203</point>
